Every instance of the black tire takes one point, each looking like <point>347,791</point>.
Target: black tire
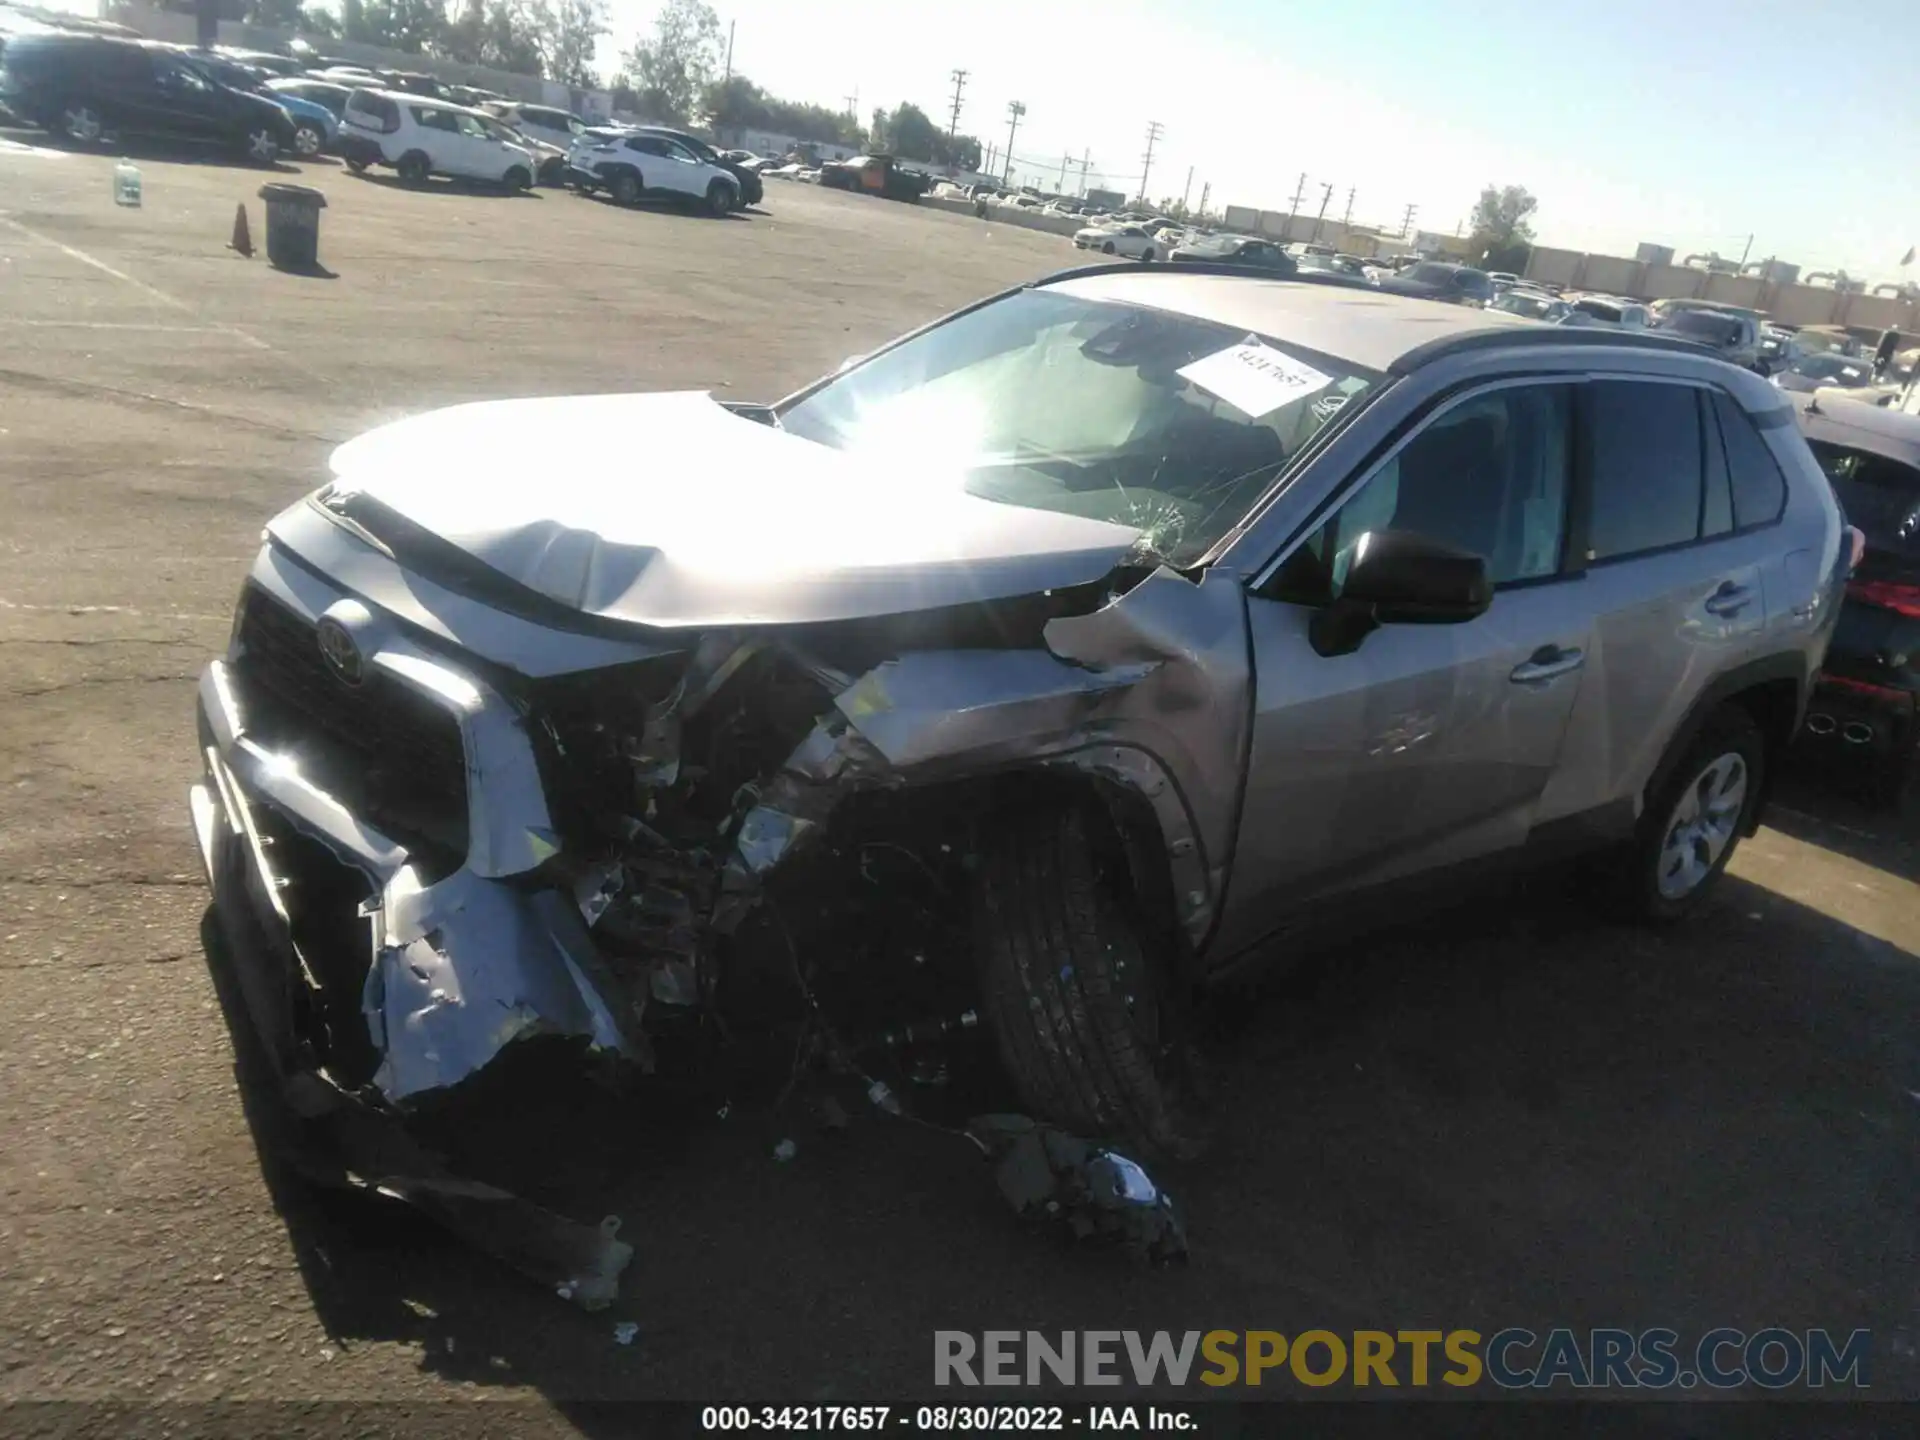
<point>553,172</point>
<point>1107,249</point>
<point>308,140</point>
<point>518,178</point>
<point>626,188</point>
<point>413,168</point>
<point>1730,733</point>
<point>1146,256</point>
<point>722,198</point>
<point>1073,998</point>
<point>358,167</point>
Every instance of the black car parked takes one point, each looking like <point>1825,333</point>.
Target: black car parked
<point>88,87</point>
<point>1443,281</point>
<point>751,188</point>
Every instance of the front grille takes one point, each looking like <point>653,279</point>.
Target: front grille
<point>386,752</point>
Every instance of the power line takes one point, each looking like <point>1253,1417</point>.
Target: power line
<point>1154,131</point>
<point>1015,109</point>
<point>959,88</point>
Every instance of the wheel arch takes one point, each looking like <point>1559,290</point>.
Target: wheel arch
<point>1773,690</point>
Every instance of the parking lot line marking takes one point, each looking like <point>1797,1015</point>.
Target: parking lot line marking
<point>116,325</point>
<point>140,285</point>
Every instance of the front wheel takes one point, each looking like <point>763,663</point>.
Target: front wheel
<point>626,188</point>
<point>1075,1000</point>
<point>1692,826</point>
<point>722,198</point>
<point>358,167</point>
<point>518,179</point>
<point>413,168</point>
<point>1146,256</point>
<point>308,141</point>
<point>1107,249</point>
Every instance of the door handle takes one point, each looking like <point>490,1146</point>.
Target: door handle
<point>1546,663</point>
<point>1729,599</point>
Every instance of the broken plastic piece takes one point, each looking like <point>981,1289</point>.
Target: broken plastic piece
<point>1094,1192</point>
<point>785,1151</point>
<point>626,1332</point>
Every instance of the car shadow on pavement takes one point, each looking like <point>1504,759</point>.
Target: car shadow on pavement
<point>447,185</point>
<point>1514,1112</point>
<point>689,209</point>
<point>142,148</point>
<point>1845,809</point>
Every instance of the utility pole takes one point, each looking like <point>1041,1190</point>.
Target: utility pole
<point>959,87</point>
<point>1346,220</point>
<point>1184,194</point>
<point>986,165</point>
<point>1326,194</point>
<point>1293,208</point>
<point>1086,159</point>
<point>1206,189</point>
<point>1744,253</point>
<point>1406,221</point>
<point>729,74</point>
<point>1154,131</point>
<point>1060,186</point>
<point>1014,111</point>
<point>853,107</point>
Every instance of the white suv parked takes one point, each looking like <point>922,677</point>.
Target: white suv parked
<point>628,165</point>
<point>419,137</point>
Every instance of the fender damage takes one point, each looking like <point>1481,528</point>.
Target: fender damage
<point>620,839</point>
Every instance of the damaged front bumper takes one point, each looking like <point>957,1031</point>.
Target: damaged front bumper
<point>460,967</point>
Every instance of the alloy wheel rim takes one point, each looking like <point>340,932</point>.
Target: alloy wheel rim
<point>1701,826</point>
<point>82,123</point>
<point>306,141</point>
<point>262,146</point>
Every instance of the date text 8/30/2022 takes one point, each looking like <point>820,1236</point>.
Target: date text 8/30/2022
<point>997,1419</point>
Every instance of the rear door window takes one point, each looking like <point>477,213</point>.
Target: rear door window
<point>429,119</point>
<point>1648,471</point>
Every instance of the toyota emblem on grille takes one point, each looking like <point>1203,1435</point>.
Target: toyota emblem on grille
<point>341,651</point>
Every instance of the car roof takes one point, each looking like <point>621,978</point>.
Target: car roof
<point>1352,321</point>
<point>429,101</point>
<point>1865,426</point>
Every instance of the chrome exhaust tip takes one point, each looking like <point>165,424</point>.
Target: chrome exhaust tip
<point>1855,732</point>
<point>1821,723</point>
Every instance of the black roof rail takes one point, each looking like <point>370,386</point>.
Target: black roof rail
<point>1545,337</point>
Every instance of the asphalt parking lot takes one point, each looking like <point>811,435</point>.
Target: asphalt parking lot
<point>1520,1115</point>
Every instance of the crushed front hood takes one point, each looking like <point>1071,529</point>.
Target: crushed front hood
<point>668,510</point>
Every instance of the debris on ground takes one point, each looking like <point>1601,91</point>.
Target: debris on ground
<point>785,1151</point>
<point>626,1332</point>
<point>1093,1192</point>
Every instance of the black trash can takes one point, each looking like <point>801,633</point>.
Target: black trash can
<point>293,226</point>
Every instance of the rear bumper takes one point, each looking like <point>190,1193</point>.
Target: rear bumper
<point>359,149</point>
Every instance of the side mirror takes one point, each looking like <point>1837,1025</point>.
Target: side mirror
<point>1399,578</point>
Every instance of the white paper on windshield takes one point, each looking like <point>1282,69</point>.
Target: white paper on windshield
<point>1254,378</point>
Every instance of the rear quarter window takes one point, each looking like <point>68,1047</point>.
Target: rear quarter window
<point>376,107</point>
<point>1759,486</point>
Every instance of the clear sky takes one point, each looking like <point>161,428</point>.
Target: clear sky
<point>1693,123</point>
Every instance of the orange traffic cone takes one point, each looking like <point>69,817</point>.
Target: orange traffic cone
<point>242,240</point>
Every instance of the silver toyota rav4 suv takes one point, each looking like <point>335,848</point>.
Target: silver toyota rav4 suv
<point>1035,671</point>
